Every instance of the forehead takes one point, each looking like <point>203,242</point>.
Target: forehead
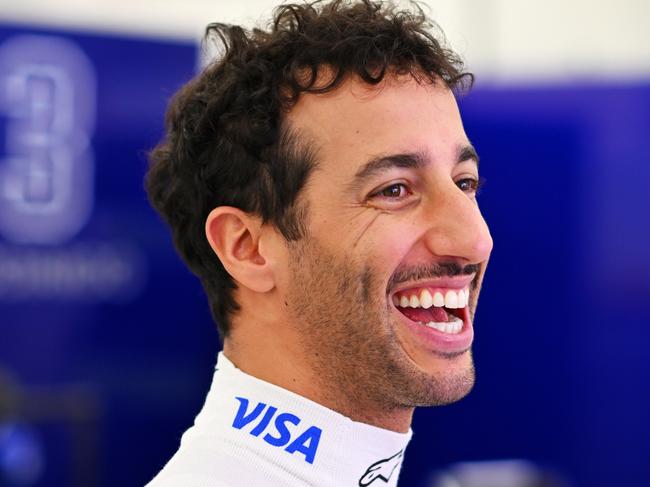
<point>358,121</point>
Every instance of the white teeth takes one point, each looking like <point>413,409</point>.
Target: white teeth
<point>462,299</point>
<point>426,300</point>
<point>451,300</point>
<point>453,327</point>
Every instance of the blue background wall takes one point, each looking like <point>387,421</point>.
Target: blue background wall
<point>103,367</point>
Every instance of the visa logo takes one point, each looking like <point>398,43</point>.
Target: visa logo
<point>280,434</point>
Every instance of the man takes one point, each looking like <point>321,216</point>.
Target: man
<point>317,178</point>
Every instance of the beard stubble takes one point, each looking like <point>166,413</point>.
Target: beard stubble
<point>344,322</point>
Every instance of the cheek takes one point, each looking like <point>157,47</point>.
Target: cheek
<point>390,243</point>
<point>380,241</point>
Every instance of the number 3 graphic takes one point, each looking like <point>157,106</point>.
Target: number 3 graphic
<point>47,101</point>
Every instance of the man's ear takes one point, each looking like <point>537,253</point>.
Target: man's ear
<point>234,235</point>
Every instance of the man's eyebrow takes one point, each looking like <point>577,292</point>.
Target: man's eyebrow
<point>414,160</point>
<point>382,163</point>
<point>467,153</point>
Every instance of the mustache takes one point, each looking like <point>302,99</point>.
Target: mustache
<point>443,269</point>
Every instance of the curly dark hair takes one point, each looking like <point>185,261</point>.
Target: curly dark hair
<point>227,142</point>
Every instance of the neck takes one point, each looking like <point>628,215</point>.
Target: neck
<point>270,353</point>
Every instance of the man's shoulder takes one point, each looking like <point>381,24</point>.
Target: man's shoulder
<point>186,480</point>
<point>197,467</point>
<point>219,464</point>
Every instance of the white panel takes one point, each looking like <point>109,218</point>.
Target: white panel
<point>571,38</point>
<point>160,18</point>
<point>501,39</point>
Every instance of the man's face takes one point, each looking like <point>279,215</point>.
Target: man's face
<point>396,246</point>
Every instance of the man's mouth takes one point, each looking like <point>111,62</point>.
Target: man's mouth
<point>445,310</point>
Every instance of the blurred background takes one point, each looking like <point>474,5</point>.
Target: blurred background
<point>106,344</point>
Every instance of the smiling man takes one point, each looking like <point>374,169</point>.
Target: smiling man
<point>318,179</point>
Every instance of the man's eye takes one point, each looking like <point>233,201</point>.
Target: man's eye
<point>470,185</point>
<point>393,191</point>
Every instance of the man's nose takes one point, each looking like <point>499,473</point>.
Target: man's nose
<point>457,230</point>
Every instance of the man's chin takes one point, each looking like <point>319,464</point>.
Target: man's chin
<point>445,380</point>
<point>454,391</point>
